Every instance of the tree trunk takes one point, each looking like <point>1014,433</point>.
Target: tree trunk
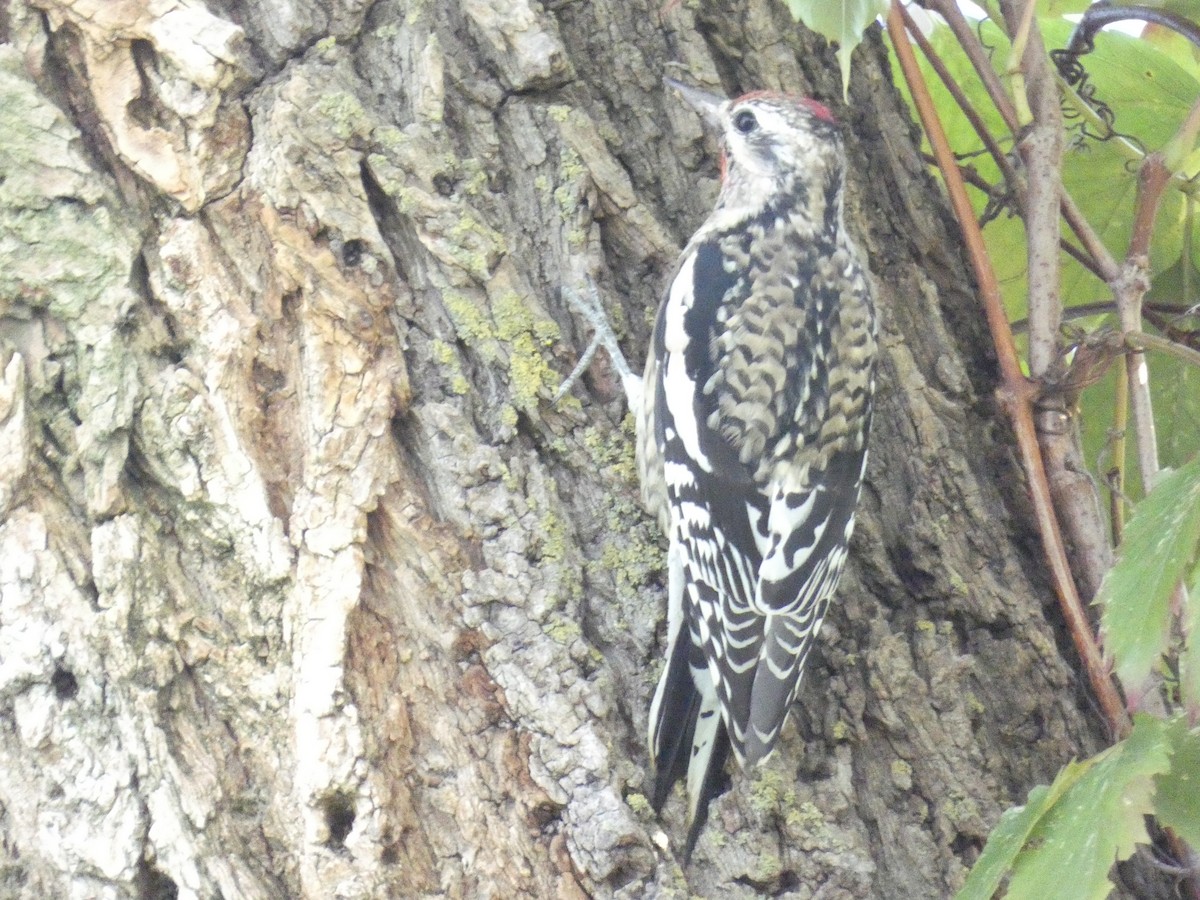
<point>307,590</point>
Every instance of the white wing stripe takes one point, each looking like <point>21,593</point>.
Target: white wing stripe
<point>678,388</point>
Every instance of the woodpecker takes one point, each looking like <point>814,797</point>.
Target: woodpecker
<point>753,420</point>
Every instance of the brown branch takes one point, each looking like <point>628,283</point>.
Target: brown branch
<point>1129,290</point>
<point>972,115</point>
<point>1120,424</point>
<point>1105,265</point>
<point>1102,263</point>
<point>1153,177</point>
<point>1082,257</point>
<point>1041,152</point>
<point>1015,393</point>
<point>1154,312</point>
<point>949,10</point>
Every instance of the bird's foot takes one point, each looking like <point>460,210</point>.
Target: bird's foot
<point>588,304</point>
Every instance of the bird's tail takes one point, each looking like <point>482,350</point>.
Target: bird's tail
<point>687,734</point>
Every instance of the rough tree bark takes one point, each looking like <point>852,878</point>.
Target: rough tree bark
<point>305,588</point>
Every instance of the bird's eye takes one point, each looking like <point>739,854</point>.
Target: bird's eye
<point>745,121</point>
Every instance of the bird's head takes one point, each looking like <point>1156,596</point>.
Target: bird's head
<point>776,149</point>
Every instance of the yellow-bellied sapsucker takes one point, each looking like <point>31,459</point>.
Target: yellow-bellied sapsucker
<point>755,409</point>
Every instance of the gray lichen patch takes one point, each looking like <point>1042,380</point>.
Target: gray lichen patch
<point>69,265</point>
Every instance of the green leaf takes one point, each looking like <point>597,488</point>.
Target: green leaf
<point>1088,819</point>
<point>1013,831</point>
<point>1175,390</point>
<point>1150,91</point>
<point>1150,88</point>
<point>1177,797</point>
<point>1098,822</point>
<point>1176,46</point>
<point>841,22</point>
<point>1189,656</point>
<point>1158,549</point>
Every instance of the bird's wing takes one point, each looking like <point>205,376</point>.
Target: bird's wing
<point>780,421</point>
<point>809,535</point>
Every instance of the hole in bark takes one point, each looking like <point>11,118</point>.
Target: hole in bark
<point>352,253</point>
<point>622,876</point>
<point>144,55</point>
<point>154,884</point>
<point>909,569</point>
<point>966,847</point>
<point>339,818</point>
<point>143,109</point>
<point>65,684</point>
<point>289,302</point>
<point>543,814</point>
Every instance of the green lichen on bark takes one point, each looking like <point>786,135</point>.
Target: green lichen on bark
<point>631,550</point>
<point>525,335</point>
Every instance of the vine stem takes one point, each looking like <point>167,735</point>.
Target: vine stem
<point>1140,340</point>
<point>1073,493</point>
<point>1129,290</point>
<point>1040,146</point>
<point>1091,255</point>
<point>963,32</point>
<point>1015,393</point>
<point>1117,478</point>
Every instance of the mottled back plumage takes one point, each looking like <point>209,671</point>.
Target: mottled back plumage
<point>752,439</point>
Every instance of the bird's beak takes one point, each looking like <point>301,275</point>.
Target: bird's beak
<point>707,104</point>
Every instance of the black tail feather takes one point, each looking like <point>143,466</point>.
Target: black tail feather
<point>676,713</point>
<point>716,781</point>
<point>676,725</point>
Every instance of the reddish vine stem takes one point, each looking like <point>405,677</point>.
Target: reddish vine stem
<point>977,181</point>
<point>1153,178</point>
<point>1106,267</point>
<point>948,10</point>
<point>967,39</point>
<point>964,104</point>
<point>1093,255</point>
<point>1015,393</point>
